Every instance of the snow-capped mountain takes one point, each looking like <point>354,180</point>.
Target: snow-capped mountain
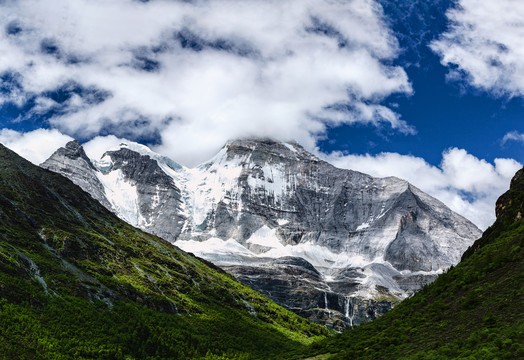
<point>328,243</point>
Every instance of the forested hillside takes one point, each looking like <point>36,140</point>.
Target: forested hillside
<point>78,283</point>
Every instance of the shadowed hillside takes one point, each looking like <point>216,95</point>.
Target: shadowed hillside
<point>77,282</point>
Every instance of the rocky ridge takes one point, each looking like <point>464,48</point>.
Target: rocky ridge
<point>335,245</point>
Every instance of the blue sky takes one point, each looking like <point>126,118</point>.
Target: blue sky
<point>432,92</point>
<point>445,113</point>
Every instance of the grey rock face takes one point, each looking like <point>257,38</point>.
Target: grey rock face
<point>411,283</point>
<point>158,198</point>
<point>294,283</point>
<point>309,200</point>
<point>127,182</point>
<point>72,162</point>
<point>284,222</point>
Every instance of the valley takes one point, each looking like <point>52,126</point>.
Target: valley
<point>321,241</point>
<point>261,180</point>
<point>78,282</point>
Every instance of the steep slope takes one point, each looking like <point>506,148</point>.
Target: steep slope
<point>77,282</point>
<point>127,181</point>
<point>72,161</point>
<point>473,311</point>
<point>372,240</point>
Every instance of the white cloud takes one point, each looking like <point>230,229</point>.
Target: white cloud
<point>273,75</point>
<point>485,43</point>
<point>468,185</point>
<point>96,147</point>
<point>513,136</point>
<point>35,146</point>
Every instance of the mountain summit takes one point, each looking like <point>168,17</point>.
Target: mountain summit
<point>257,201</point>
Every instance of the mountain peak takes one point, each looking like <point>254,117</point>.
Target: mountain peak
<point>142,150</point>
<point>73,145</point>
<point>72,161</point>
<point>261,196</point>
<point>254,141</point>
<point>270,147</point>
<point>73,151</point>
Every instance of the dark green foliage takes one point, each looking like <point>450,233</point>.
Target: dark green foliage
<point>73,328</point>
<point>76,282</point>
<point>474,311</point>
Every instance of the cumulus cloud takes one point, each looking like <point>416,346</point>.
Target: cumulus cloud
<point>35,146</point>
<point>485,45</point>
<point>468,185</point>
<point>191,75</point>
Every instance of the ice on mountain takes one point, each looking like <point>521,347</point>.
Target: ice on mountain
<point>122,195</point>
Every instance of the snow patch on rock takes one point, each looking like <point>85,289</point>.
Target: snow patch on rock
<point>122,196</point>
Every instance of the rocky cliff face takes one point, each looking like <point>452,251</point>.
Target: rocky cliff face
<point>127,181</point>
<point>72,162</point>
<point>314,238</point>
<point>303,289</point>
<point>511,205</point>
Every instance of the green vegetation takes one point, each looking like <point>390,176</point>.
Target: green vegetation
<point>78,283</point>
<point>474,311</point>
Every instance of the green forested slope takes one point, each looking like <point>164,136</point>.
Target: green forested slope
<point>77,282</point>
<point>474,311</point>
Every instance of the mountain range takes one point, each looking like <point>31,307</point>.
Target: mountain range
<point>76,282</point>
<point>336,246</point>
